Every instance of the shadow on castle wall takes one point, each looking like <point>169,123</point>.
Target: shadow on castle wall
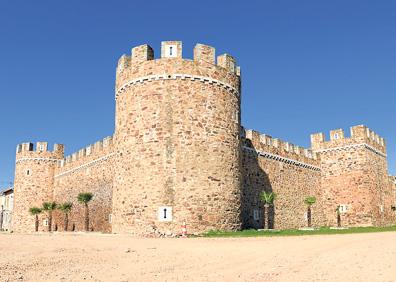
<point>254,181</point>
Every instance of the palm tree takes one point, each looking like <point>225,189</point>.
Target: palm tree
<point>65,208</point>
<point>309,201</point>
<point>35,211</point>
<point>84,198</point>
<point>268,199</point>
<point>49,207</point>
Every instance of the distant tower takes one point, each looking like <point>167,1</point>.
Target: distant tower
<point>34,181</point>
<point>354,176</point>
<point>178,141</point>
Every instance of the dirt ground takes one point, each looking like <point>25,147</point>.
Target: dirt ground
<point>96,257</point>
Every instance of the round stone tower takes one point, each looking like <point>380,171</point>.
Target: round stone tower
<point>178,141</point>
<point>34,182</point>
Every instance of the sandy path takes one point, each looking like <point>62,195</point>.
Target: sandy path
<point>94,257</point>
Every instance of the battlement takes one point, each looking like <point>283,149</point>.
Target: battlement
<point>92,152</point>
<point>266,143</point>
<point>39,149</point>
<point>203,54</point>
<point>359,134</point>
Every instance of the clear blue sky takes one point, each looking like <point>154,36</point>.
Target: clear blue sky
<point>307,66</point>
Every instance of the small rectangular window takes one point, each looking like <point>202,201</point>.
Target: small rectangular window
<point>256,215</point>
<point>344,208</point>
<point>171,51</point>
<point>165,213</point>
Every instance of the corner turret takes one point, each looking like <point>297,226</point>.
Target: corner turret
<point>34,181</point>
<point>354,175</point>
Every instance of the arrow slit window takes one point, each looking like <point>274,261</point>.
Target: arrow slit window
<point>165,214</point>
<point>171,51</point>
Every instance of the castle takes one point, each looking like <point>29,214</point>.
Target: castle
<point>179,154</point>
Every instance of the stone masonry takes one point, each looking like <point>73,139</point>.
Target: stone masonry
<point>180,155</point>
<point>355,173</point>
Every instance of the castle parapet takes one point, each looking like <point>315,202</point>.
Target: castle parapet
<point>228,62</point>
<point>359,134</point>
<point>142,66</point>
<point>171,49</point>
<point>123,63</point>
<point>92,152</point>
<point>142,53</point>
<point>174,49</point>
<point>39,150</point>
<point>25,147</point>
<point>204,53</point>
<point>265,143</point>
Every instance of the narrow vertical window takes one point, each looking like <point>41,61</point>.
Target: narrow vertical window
<point>165,214</point>
<point>256,215</point>
<point>171,51</point>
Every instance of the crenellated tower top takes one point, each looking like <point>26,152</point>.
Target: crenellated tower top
<point>276,147</point>
<point>40,151</point>
<point>359,135</point>
<point>141,66</point>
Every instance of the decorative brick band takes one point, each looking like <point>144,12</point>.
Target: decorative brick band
<point>282,159</point>
<point>366,146</point>
<point>204,79</point>
<point>36,159</point>
<point>89,164</point>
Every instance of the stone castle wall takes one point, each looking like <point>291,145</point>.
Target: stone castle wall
<point>89,170</point>
<point>291,172</point>
<point>170,154</point>
<point>382,190</point>
<point>392,192</point>
<point>355,175</point>
<point>179,154</point>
